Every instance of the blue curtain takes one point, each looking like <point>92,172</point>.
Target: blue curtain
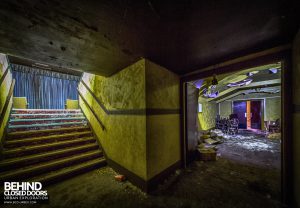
<point>44,89</point>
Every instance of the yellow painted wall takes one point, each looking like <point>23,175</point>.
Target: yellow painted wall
<point>296,117</point>
<point>144,144</point>
<point>4,89</point>
<point>124,90</point>
<point>124,139</point>
<point>163,131</point>
<point>207,119</point>
<point>162,87</point>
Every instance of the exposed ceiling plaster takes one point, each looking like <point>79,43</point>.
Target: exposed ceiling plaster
<point>104,37</point>
<point>262,81</point>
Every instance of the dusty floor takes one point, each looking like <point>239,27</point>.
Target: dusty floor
<point>251,148</point>
<point>203,184</point>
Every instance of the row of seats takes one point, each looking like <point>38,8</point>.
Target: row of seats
<point>21,103</point>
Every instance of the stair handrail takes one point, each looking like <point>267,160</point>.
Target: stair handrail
<point>91,109</point>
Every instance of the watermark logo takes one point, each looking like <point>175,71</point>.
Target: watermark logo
<point>24,193</point>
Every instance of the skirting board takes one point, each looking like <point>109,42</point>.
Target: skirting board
<point>146,186</point>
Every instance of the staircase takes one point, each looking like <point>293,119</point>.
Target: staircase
<point>48,146</point>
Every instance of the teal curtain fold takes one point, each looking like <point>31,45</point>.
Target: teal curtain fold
<point>44,89</point>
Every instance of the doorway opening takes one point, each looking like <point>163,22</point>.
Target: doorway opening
<point>236,117</point>
<point>41,86</point>
<point>249,113</point>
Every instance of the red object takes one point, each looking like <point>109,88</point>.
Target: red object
<point>120,177</point>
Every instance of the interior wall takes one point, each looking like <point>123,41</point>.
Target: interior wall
<point>225,108</point>
<point>145,137</point>
<point>207,119</point>
<point>4,90</point>
<point>273,109</point>
<point>296,117</point>
<point>163,135</point>
<point>124,137</point>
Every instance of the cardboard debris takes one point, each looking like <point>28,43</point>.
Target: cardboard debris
<point>219,140</point>
<point>201,146</point>
<point>211,141</point>
<point>274,136</point>
<point>205,136</point>
<point>207,154</point>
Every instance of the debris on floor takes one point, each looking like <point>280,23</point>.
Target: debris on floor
<point>213,141</point>
<point>120,178</point>
<point>251,147</point>
<point>210,141</point>
<point>205,136</point>
<point>274,136</point>
<point>230,183</point>
<point>207,153</point>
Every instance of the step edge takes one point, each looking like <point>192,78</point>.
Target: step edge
<point>32,139</point>
<point>11,161</point>
<point>14,150</point>
<point>14,173</point>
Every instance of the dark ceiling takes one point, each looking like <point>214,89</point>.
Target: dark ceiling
<point>103,37</point>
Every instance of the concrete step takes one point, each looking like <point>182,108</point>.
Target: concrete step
<point>30,121</point>
<point>65,173</point>
<point>13,143</point>
<point>12,128</point>
<point>36,133</point>
<point>27,150</point>
<point>19,162</point>
<point>41,111</point>
<point>34,170</point>
<point>48,146</point>
<point>46,115</point>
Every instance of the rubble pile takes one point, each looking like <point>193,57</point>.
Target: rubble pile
<point>207,148</point>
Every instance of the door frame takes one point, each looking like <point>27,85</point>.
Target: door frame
<point>277,54</point>
<point>262,100</point>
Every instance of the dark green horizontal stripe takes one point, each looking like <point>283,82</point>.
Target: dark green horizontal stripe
<point>147,111</point>
<point>155,111</point>
<point>127,112</point>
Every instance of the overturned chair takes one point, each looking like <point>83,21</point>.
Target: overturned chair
<point>228,126</point>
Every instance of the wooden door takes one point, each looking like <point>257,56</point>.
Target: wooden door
<point>256,114</point>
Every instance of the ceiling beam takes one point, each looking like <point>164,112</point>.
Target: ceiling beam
<point>253,85</point>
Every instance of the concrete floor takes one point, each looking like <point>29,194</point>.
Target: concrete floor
<point>251,147</point>
<point>246,174</point>
<point>222,183</point>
